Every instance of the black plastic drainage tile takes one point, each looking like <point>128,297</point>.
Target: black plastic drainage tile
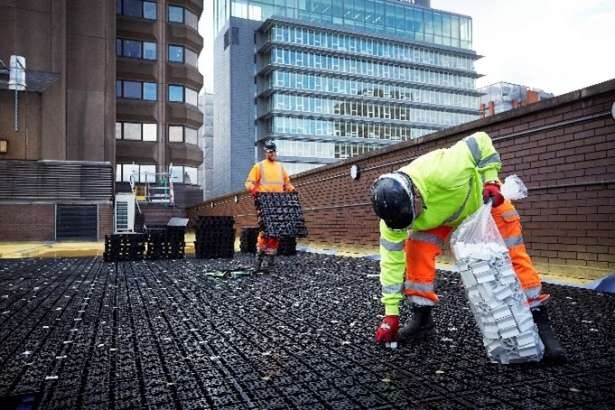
<point>81,333</point>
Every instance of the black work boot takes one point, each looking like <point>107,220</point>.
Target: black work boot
<point>258,261</point>
<point>420,326</point>
<point>554,353</point>
<point>270,263</point>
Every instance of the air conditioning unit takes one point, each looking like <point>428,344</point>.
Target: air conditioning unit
<point>124,212</point>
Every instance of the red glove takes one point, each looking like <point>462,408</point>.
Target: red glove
<point>253,194</point>
<point>387,331</point>
<point>491,190</point>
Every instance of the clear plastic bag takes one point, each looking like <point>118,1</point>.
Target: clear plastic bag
<point>513,188</point>
<point>496,299</point>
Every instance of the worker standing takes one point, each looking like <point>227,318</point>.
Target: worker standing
<point>419,205</point>
<point>267,176</point>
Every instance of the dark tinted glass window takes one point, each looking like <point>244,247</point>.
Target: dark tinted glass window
<point>118,47</point>
<point>118,88</point>
<point>132,89</point>
<point>132,49</point>
<point>133,8</point>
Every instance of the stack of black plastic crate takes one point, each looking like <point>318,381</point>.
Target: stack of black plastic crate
<point>165,242</point>
<point>280,216</point>
<point>247,239</point>
<point>215,237</point>
<point>288,246</point>
<point>124,247</point>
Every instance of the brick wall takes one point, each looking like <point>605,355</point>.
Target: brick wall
<point>27,222</point>
<point>563,148</point>
<point>105,220</point>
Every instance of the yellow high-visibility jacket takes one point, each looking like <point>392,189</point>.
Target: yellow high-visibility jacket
<point>268,176</point>
<point>450,182</point>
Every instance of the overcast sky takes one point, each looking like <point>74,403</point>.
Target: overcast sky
<point>556,45</point>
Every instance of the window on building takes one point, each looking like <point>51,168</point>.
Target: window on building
<point>176,14</point>
<point>136,8</point>
<point>176,93</point>
<point>190,175</point>
<point>149,91</point>
<point>179,93</point>
<point>136,131</point>
<point>136,49</point>
<point>180,133</point>
<point>191,136</point>
<point>191,58</point>
<point>176,54</point>
<point>192,97</point>
<point>136,90</point>
<point>176,133</point>
<point>180,15</point>
<point>132,89</point>
<point>180,54</point>
<point>177,174</point>
<point>139,172</point>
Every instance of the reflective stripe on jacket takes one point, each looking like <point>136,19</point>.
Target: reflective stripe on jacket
<point>268,176</point>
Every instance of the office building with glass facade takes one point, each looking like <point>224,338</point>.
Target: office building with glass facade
<point>328,79</point>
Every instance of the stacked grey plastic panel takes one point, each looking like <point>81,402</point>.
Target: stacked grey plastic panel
<point>501,310</point>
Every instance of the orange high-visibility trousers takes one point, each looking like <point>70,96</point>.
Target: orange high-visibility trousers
<point>423,247</point>
<point>267,245</point>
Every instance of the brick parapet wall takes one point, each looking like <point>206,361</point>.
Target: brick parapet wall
<point>563,149</point>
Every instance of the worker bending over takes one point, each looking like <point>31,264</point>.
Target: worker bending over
<point>267,176</point>
<point>419,205</point>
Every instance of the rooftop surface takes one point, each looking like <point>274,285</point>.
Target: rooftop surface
<point>81,333</point>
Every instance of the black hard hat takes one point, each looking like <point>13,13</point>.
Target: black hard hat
<point>270,146</point>
<point>392,200</point>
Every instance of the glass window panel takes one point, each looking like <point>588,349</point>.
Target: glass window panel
<point>149,51</point>
<point>118,130</point>
<point>118,47</point>
<point>191,136</point>
<point>130,170</point>
<point>118,172</point>
<point>132,131</point>
<point>176,133</point>
<point>176,93</point>
<point>133,8</point>
<point>149,10</point>
<point>132,48</point>
<point>192,58</point>
<point>147,173</point>
<point>191,20</point>
<point>176,54</point>
<point>150,91</point>
<point>176,14</point>
<point>177,174</point>
<point>190,175</point>
<point>118,88</point>
<point>150,132</point>
<point>192,97</point>
<point>132,89</point>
